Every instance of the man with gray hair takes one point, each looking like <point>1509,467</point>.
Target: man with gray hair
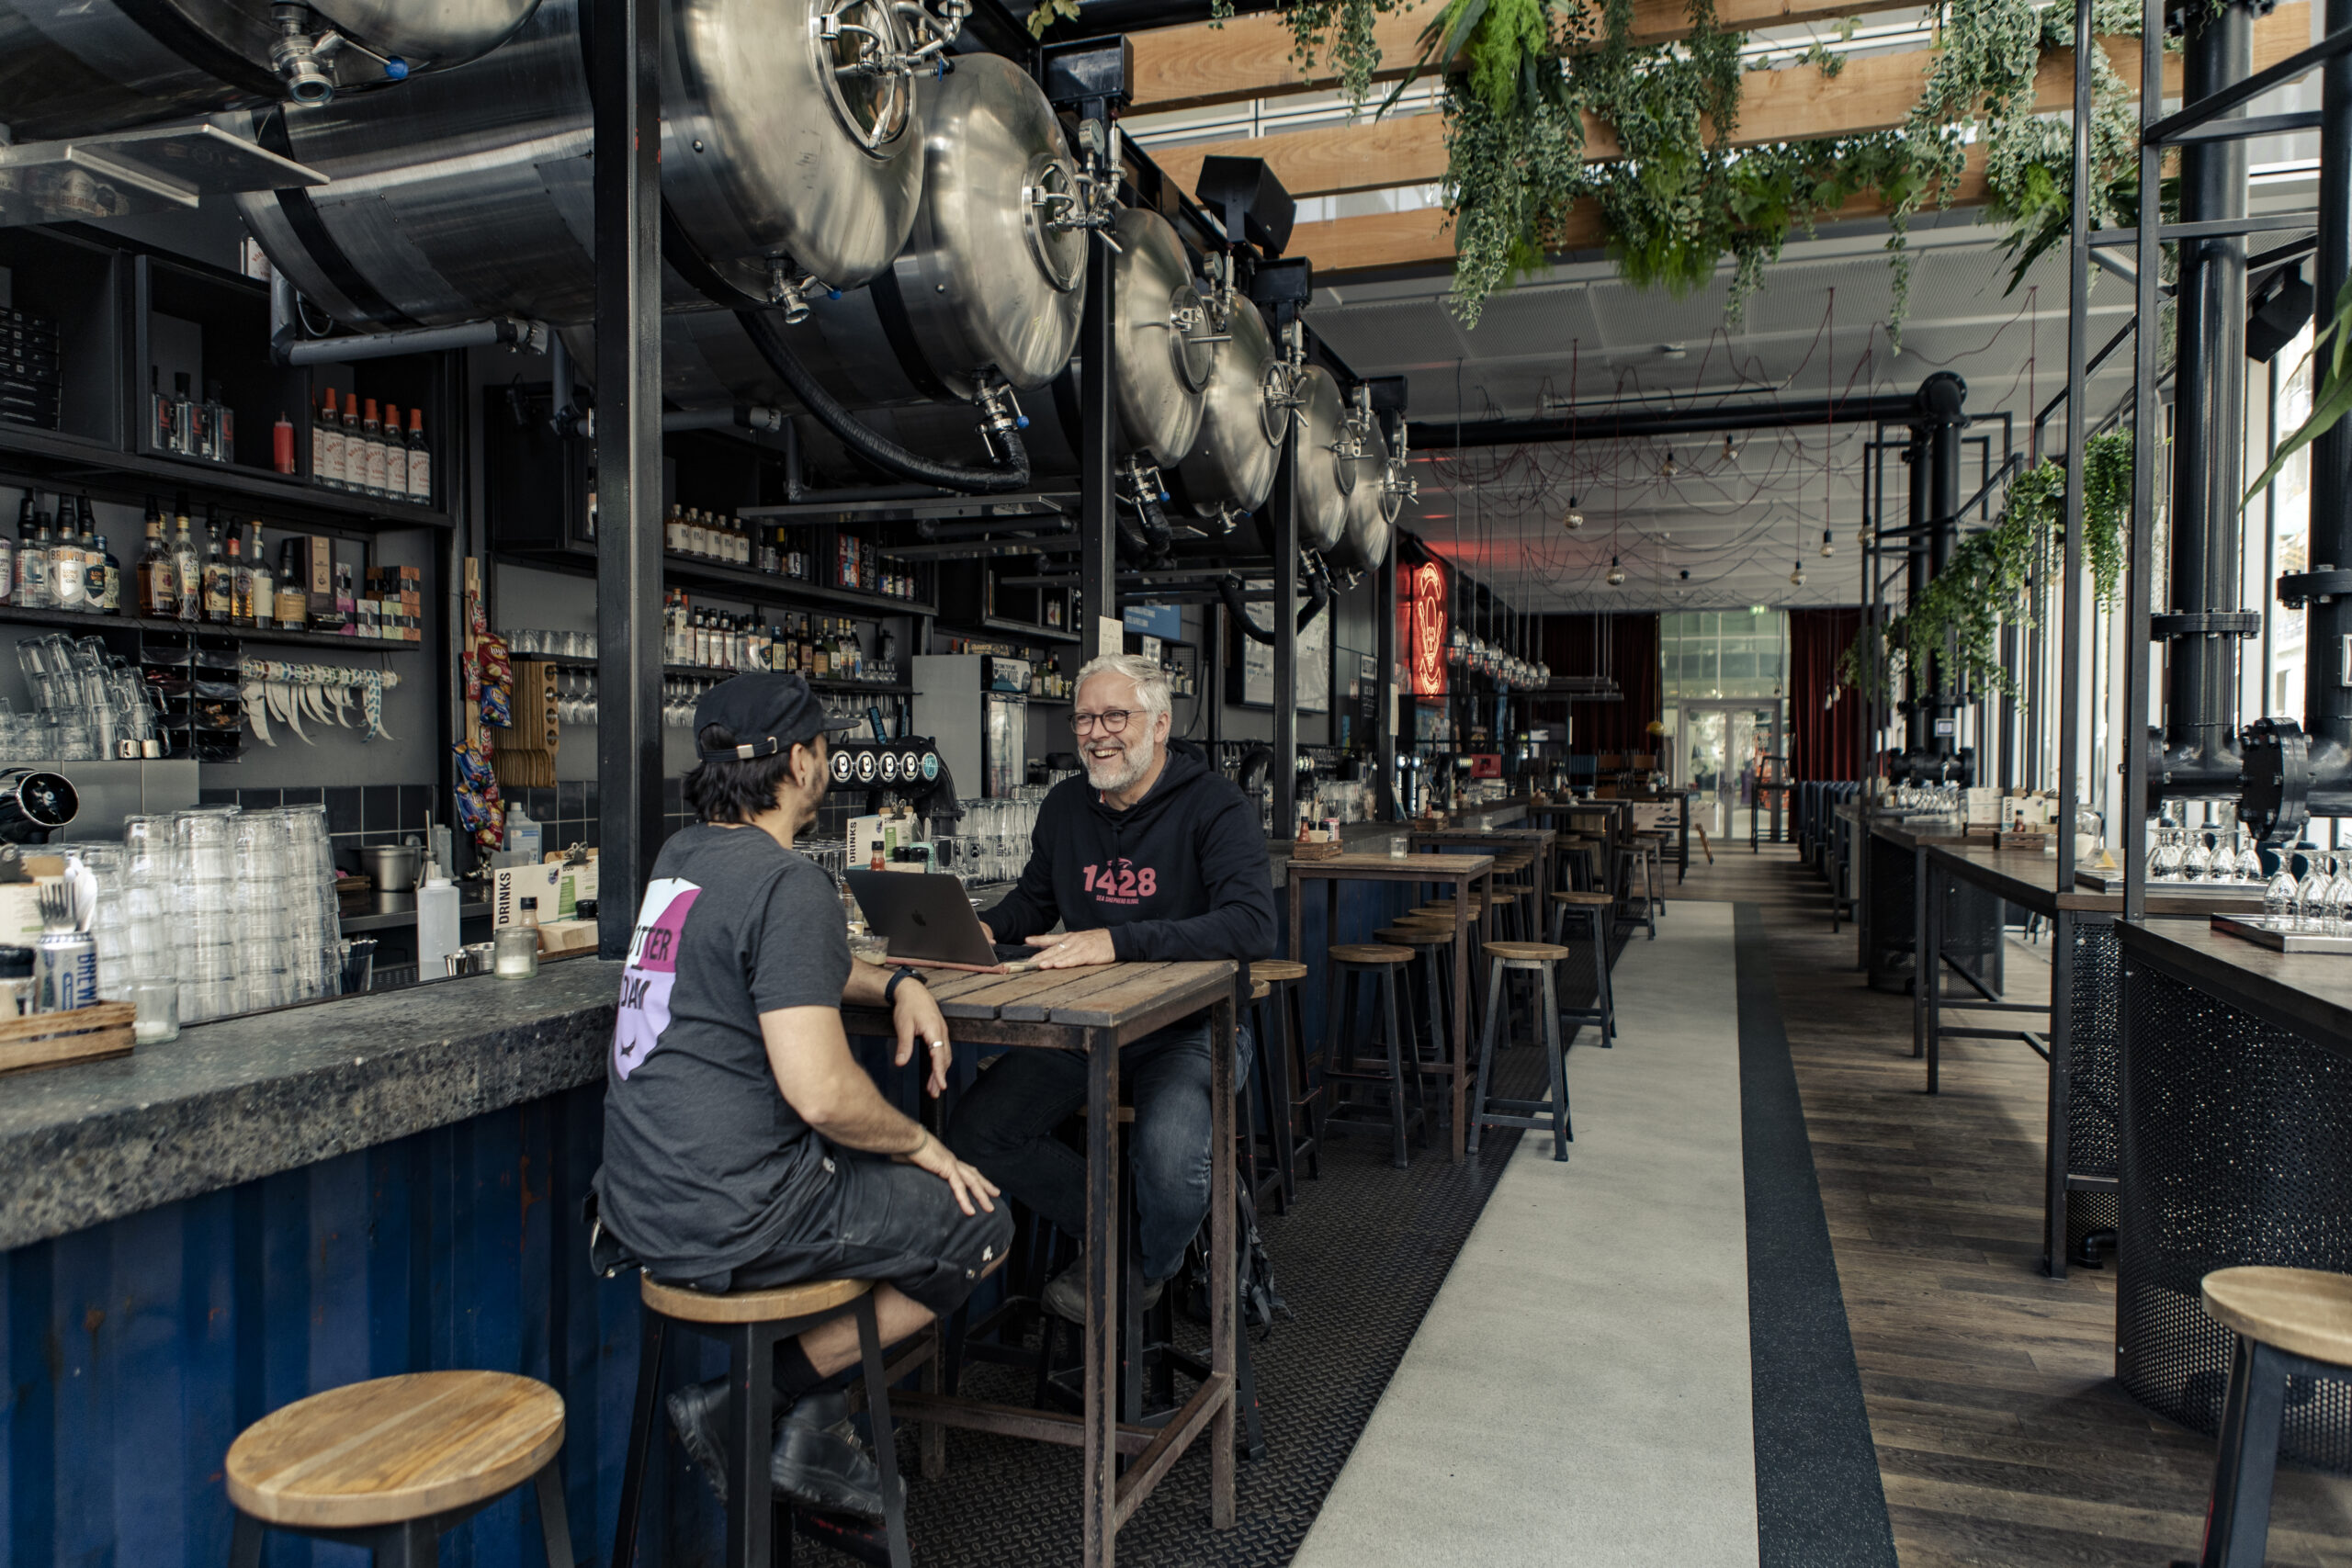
<point>1154,856</point>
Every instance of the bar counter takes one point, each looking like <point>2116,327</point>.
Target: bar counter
<point>2236,1148</point>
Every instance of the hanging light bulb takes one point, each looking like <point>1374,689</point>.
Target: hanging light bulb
<point>1828,549</point>
<point>1731,450</point>
<point>1616,574</point>
<point>1796,576</point>
<point>1667,469</point>
<point>1575,519</point>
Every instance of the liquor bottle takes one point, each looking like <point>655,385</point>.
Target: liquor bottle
<point>94,562</point>
<point>697,535</point>
<point>265,587</point>
<point>187,566</point>
<point>420,467</point>
<point>281,446</point>
<point>159,595</point>
<point>68,586</point>
<point>110,599</point>
<point>220,599</point>
<point>188,436</point>
<point>219,426</point>
<point>32,564</point>
<point>354,447</point>
<point>159,412</point>
<point>395,455</point>
<point>674,530</point>
<point>758,644</point>
<point>738,644</point>
<point>240,581</point>
<point>8,551</point>
<point>371,437</point>
<point>805,657</point>
<point>326,445</point>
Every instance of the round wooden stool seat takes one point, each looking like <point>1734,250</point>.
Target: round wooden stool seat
<point>1584,900</point>
<point>1525,952</point>
<point>1277,970</point>
<point>750,1306</point>
<point>1445,906</point>
<point>1368,952</point>
<point>2304,1312</point>
<point>393,1450</point>
<point>1415,936</point>
<point>1260,990</point>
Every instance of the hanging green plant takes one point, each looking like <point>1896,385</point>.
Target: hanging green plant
<point>1957,617</point>
<point>2331,393</point>
<point>1341,31</point>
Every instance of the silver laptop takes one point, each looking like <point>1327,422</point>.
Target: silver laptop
<point>927,917</point>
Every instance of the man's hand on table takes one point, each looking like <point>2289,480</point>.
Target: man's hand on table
<point>966,1183</point>
<point>917,1016</point>
<point>1074,950</point>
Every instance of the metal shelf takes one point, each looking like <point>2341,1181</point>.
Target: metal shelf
<point>72,619</point>
<point>52,459</point>
<point>690,570</point>
<point>701,672</point>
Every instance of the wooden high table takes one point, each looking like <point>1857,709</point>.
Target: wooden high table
<point>1462,872</point>
<point>1095,1011</point>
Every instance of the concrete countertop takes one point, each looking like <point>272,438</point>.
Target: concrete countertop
<point>249,1096</point>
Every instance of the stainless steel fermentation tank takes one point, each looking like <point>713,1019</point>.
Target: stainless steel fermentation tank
<point>80,67</point>
<point>468,194</point>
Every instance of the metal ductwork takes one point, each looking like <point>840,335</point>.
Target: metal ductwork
<point>2197,752</point>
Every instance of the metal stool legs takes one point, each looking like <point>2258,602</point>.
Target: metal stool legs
<point>1490,1110</point>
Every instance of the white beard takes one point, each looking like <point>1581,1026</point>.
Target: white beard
<point>1119,773</point>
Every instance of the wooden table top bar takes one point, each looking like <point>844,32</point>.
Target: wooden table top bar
<point>2307,993</point>
<point>2025,877</point>
<point>1396,868</point>
<point>1130,999</point>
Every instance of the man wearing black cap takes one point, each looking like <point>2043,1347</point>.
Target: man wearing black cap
<point>744,1146</point>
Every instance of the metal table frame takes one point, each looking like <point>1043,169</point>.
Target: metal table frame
<point>1095,1011</point>
<point>1463,873</point>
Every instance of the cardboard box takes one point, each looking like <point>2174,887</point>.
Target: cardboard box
<point>568,936</point>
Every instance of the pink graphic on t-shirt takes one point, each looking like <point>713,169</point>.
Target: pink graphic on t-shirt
<point>652,970</point>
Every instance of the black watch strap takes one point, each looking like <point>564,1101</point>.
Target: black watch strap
<point>890,990</point>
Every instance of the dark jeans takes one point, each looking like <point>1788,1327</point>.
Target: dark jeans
<point>1005,1123</point>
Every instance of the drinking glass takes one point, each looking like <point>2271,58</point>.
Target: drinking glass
<point>2278,896</point>
<point>2309,892</point>
<point>2249,867</point>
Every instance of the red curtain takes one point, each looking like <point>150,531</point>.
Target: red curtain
<point>1825,742</point>
<point>1622,647</point>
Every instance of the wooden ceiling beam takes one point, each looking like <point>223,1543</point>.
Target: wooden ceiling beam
<point>1800,103</point>
<point>1250,57</point>
<point>1394,242</point>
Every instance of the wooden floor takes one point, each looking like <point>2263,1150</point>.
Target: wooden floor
<point>2002,1435</point>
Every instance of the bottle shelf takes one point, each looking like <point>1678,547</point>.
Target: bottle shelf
<point>689,572</point>
<point>705,671</point>
<point>74,620</point>
<point>54,460</point>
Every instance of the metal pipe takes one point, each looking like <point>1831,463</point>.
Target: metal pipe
<point>1885,407</point>
<point>288,347</point>
<point>743,416</point>
<point>2327,701</point>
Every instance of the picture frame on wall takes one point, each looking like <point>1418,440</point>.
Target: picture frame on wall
<point>1250,664</point>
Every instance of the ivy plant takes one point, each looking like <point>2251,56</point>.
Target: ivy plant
<point>1957,617</point>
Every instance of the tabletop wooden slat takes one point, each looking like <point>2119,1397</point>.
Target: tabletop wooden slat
<point>1070,988</point>
<point>1136,992</point>
<point>1422,868</point>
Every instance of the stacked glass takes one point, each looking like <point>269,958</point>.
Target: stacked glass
<point>264,903</point>
<point>149,874</point>
<point>313,941</point>
<point>204,911</point>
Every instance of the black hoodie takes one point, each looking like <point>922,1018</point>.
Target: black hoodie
<point>1181,874</point>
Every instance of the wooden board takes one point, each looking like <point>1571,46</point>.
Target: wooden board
<point>53,1039</point>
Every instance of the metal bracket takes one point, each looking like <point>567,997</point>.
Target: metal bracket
<point>2275,797</point>
<point>2322,582</point>
<point>2205,623</point>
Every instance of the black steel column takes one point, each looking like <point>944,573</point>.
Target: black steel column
<point>1385,704</point>
<point>1942,398</point>
<point>1285,615</point>
<point>1919,681</point>
<point>2199,747</point>
<point>2131,829</point>
<point>2327,702</point>
<point>629,456</point>
<point>1098,448</point>
<point>2068,650</point>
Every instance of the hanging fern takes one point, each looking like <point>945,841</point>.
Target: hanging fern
<point>1957,617</point>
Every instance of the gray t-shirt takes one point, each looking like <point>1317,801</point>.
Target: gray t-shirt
<point>705,1162</point>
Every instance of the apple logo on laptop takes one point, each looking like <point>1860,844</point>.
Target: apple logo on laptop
<point>917,916</point>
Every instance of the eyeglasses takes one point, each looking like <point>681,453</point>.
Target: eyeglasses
<point>1110,721</point>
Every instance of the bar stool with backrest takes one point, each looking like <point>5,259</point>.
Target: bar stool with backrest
<point>1369,1059</point>
<point>1491,1109</point>
<point>1284,1059</point>
<point>2290,1323</point>
<point>1590,911</point>
<point>390,1465</point>
<point>750,1324</point>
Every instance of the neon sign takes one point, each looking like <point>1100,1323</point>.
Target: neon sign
<point>1423,611</point>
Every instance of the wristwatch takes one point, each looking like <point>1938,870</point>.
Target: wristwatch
<point>890,990</point>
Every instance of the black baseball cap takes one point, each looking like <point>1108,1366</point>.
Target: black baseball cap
<point>768,712</point>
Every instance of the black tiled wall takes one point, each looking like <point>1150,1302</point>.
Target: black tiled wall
<point>357,815</point>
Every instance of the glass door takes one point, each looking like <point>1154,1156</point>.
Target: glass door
<point>1730,746</point>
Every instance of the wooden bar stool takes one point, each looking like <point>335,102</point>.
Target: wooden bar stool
<point>1637,869</point>
<point>1282,1035</point>
<point>1428,997</point>
<point>393,1463</point>
<point>1591,910</point>
<point>750,1324</point>
<point>1490,1110</point>
<point>1361,1059</point>
<point>2289,1323</point>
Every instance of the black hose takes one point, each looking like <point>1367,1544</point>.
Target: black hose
<point>1318,593</point>
<point>1011,474</point>
<point>1133,547</point>
<point>1255,763</point>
